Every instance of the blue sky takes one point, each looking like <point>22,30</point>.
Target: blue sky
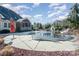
<point>41,12</point>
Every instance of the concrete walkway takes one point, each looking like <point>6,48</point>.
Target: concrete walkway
<point>26,42</point>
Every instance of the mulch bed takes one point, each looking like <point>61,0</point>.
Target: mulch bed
<point>2,46</point>
<point>22,52</point>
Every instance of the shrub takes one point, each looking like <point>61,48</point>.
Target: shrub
<point>1,40</point>
<point>5,31</point>
<point>7,51</point>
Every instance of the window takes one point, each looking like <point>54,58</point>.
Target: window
<point>5,24</point>
<point>22,24</point>
<point>26,24</point>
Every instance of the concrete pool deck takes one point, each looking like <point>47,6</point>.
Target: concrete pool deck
<point>26,42</point>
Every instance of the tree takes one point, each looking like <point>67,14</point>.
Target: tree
<point>73,17</point>
<point>37,26</point>
<point>47,26</point>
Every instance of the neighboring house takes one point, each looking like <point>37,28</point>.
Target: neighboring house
<point>5,16</point>
<point>4,25</point>
<point>20,25</point>
<point>23,25</point>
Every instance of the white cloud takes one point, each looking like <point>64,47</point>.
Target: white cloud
<point>48,11</point>
<point>6,5</point>
<point>59,12</point>
<point>36,18</point>
<point>20,8</point>
<point>61,8</point>
<point>38,15</point>
<point>39,18</point>
<point>17,9</point>
<point>50,15</point>
<point>58,15</point>
<point>53,14</point>
<point>35,5</point>
<point>53,5</point>
<point>61,17</point>
<point>26,16</point>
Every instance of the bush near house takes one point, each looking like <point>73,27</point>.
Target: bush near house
<point>5,31</point>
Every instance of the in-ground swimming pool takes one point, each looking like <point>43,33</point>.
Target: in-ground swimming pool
<point>49,36</point>
<point>41,36</point>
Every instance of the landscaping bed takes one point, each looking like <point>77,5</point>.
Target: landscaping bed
<point>22,52</point>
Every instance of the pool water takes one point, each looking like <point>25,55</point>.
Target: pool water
<point>49,36</point>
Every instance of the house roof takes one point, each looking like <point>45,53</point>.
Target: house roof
<point>7,14</point>
<point>21,20</point>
